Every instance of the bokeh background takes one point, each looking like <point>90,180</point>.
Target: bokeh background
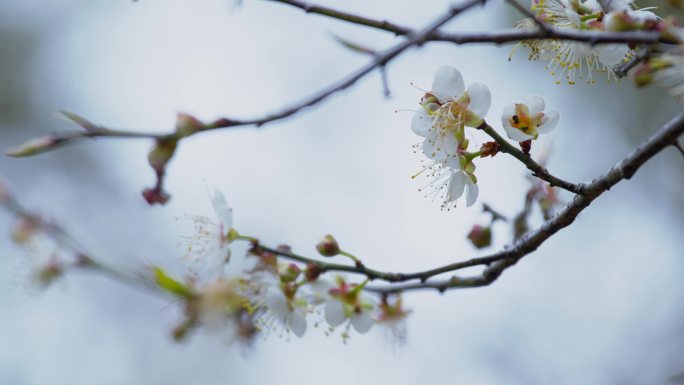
<point>600,303</point>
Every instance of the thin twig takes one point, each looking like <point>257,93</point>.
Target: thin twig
<point>498,37</point>
<point>679,147</point>
<point>625,169</point>
<point>526,12</point>
<point>537,170</point>
<point>496,263</point>
<point>621,70</point>
<point>82,260</point>
<point>414,38</point>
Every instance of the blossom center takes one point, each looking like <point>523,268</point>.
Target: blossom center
<point>524,121</point>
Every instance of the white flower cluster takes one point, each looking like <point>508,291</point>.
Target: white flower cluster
<point>446,111</point>
<point>269,296</point>
<point>572,61</point>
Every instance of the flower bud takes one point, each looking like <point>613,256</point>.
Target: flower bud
<point>187,125</point>
<point>642,75</point>
<point>489,149</point>
<point>155,196</point>
<point>47,274</point>
<point>328,246</point>
<point>81,121</point>
<point>312,272</point>
<point>161,153</point>
<point>35,146</point>
<point>619,21</point>
<point>24,230</point>
<point>480,237</point>
<point>290,273</point>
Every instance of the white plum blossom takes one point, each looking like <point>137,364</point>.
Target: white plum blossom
<point>459,181</point>
<point>445,112</point>
<point>578,60</point>
<point>665,69</point>
<point>208,249</point>
<point>282,298</point>
<point>346,302</point>
<point>525,121</point>
<point>288,309</point>
<point>624,16</point>
<point>223,308</point>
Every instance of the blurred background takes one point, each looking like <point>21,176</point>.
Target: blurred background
<point>600,303</point>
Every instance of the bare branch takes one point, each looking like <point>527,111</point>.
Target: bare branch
<point>526,12</point>
<point>348,17</point>
<point>496,263</point>
<point>625,169</point>
<point>537,170</point>
<point>497,37</point>
<point>414,38</point>
<point>679,147</point>
<point>83,260</point>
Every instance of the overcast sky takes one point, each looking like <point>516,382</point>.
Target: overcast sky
<point>600,303</point>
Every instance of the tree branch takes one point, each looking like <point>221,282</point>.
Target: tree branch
<point>497,37</point>
<point>679,147</point>
<point>625,169</point>
<point>414,38</point>
<point>82,259</point>
<point>527,13</point>
<point>496,263</point>
<point>537,170</point>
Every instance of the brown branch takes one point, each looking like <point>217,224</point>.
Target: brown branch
<point>625,169</point>
<point>82,259</point>
<point>679,147</point>
<point>537,170</point>
<point>348,17</point>
<point>414,38</point>
<point>428,34</point>
<point>157,194</point>
<point>496,263</point>
<point>527,13</point>
<point>498,37</point>
<point>500,261</point>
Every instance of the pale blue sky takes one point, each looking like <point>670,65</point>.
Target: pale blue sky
<point>600,303</point>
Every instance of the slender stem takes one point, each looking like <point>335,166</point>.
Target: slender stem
<point>350,256</point>
<point>118,274</point>
<point>498,37</point>
<point>495,263</point>
<point>537,170</point>
<point>526,12</point>
<point>348,17</point>
<point>625,169</point>
<point>679,147</point>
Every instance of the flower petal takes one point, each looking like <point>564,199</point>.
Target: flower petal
<point>439,147</point>
<point>612,54</point>
<point>472,191</point>
<point>277,305</point>
<point>447,84</point>
<point>456,186</point>
<point>334,313</point>
<point>643,16</point>
<point>480,99</point>
<point>223,212</point>
<point>549,122</point>
<point>297,323</point>
<point>421,122</point>
<point>535,104</point>
<point>362,322</point>
<point>512,132</point>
